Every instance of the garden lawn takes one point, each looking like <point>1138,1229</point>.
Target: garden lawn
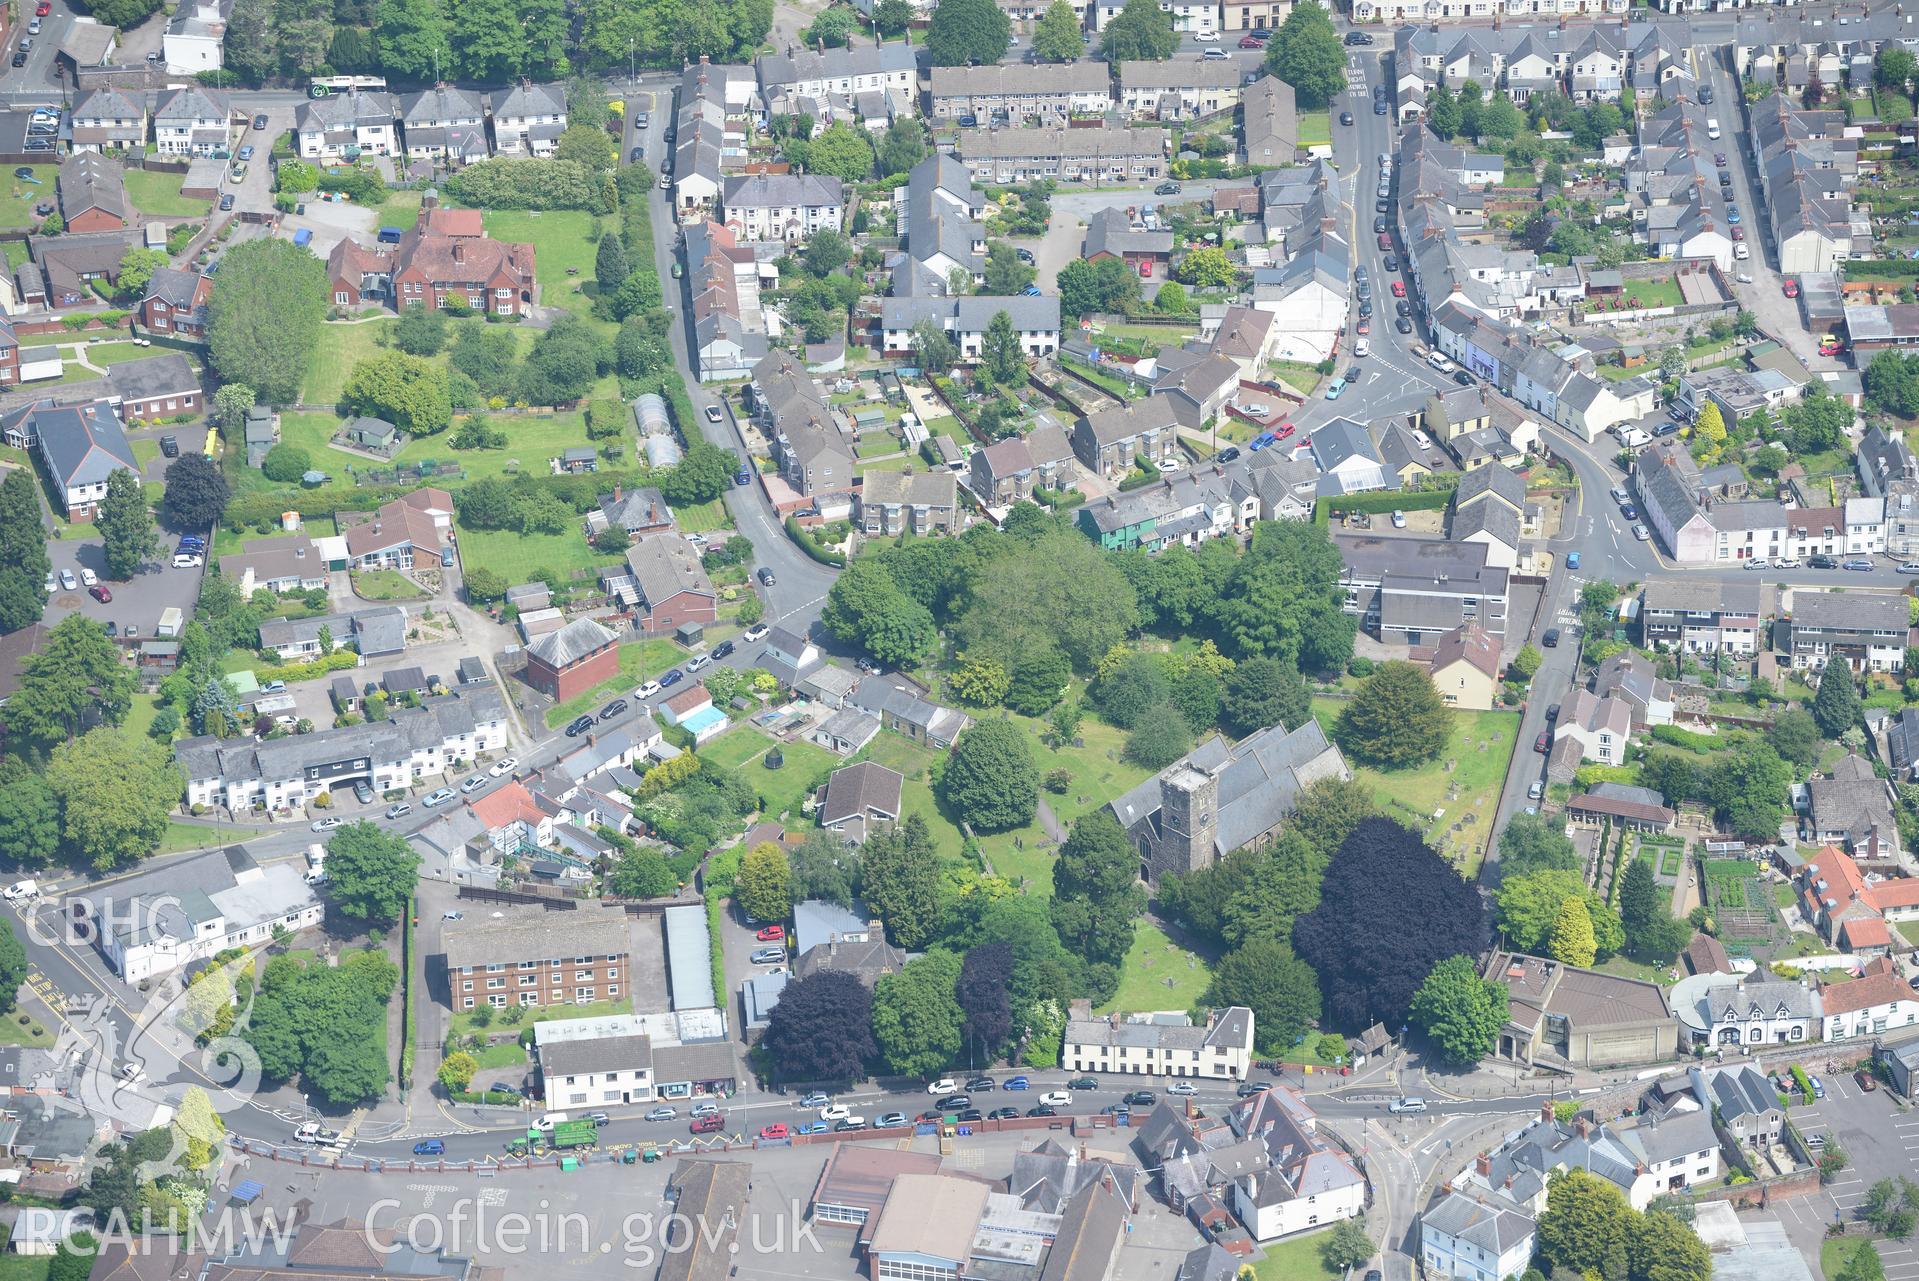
<point>32,1032</point>
<point>782,790</point>
<point>1158,974</point>
<point>698,518</point>
<point>1833,1253</point>
<point>1315,127</point>
<point>1296,1259</point>
<point>1482,744</point>
<point>384,584</point>
<point>119,353</point>
<point>1303,379</point>
<point>500,1054</point>
<point>639,660</point>
<point>1655,293</point>
<point>518,556</point>
<point>342,345</point>
<point>563,239</point>
<point>462,1023</point>
<point>156,193</point>
<point>25,1267</point>
<point>531,440</point>
<point>18,197</point>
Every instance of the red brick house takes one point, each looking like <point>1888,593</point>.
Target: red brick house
<point>430,267</point>
<point>357,274</point>
<point>667,586</point>
<point>93,194</point>
<point>176,303</point>
<point>572,660</point>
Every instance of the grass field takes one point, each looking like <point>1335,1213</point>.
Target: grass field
<point>1315,128</point>
<point>532,440</point>
<point>638,661</point>
<point>1437,797</point>
<point>501,1054</point>
<point>341,346</point>
<point>1296,1259</point>
<point>564,242</point>
<point>18,196</point>
<point>1158,974</point>
<point>157,193</point>
<point>32,1032</point>
<point>24,1267</point>
<point>462,1023</point>
<point>743,748</point>
<point>1833,1253</point>
<point>1655,293</point>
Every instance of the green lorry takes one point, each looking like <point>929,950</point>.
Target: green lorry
<point>573,1134</point>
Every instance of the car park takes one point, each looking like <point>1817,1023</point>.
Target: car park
<point>777,934</point>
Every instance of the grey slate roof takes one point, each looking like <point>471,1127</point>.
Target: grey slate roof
<point>1259,777</point>
<point>571,643</point>
<point>852,791</point>
<point>83,444</point>
<point>1497,482</point>
<point>536,935</point>
<point>1484,1219</point>
<point>595,1054</point>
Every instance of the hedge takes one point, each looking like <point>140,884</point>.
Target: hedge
<point>1690,740</point>
<point>1421,500</point>
<point>338,661</point>
<point>406,989</point>
<point>1882,269</point>
<point>812,546</point>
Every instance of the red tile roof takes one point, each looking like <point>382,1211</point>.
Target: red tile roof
<point>1900,892</point>
<point>452,222</point>
<point>1861,993</point>
<point>688,700</point>
<point>513,802</point>
<point>1868,932</point>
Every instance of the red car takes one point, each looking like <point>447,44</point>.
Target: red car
<point>101,594</point>
<point>1385,240</point>
<point>1282,431</point>
<point>771,933</point>
<point>1399,289</point>
<point>1544,743</point>
<point>777,1130</point>
<point>1830,348</point>
<point>1145,268</point>
<point>1251,42</point>
<point>1738,233</point>
<point>1792,288</point>
<point>1363,327</point>
<point>44,8</point>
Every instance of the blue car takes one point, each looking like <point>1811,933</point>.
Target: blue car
<point>673,677</point>
<point>1262,440</point>
<point>1017,1083</point>
<point>1572,560</point>
<point>815,1127</point>
<point>429,1147</point>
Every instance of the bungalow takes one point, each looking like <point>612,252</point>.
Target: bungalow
<point>407,533</point>
<point>693,711</point>
<point>93,193</point>
<point>861,799</point>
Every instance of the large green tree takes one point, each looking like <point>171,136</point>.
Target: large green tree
<point>23,551</point>
<point>822,1029</point>
<point>917,1020</point>
<point>13,967</point>
<point>1281,990</point>
<point>1531,844</point>
<point>1587,1226</point>
<point>1140,31</point>
<point>1306,54</point>
<point>1062,591</point>
<point>115,788</point>
<point>264,318</point>
<point>1058,38</point>
<point>865,607</point>
<point>1265,691</point>
<point>29,816</point>
<point>77,675</point>
<point>1572,941</point>
<point>765,883</point>
<point>407,391</point>
<point>1284,600</point>
<point>1836,706</point>
<point>1397,719</point>
<point>1529,907</point>
<point>844,150</point>
<point>1001,357</point>
<point>1460,1012</point>
<point>985,996</point>
<point>323,1024</point>
<point>990,781</point>
<point>125,522</point>
<point>1097,898</point>
<point>196,492</point>
<point>370,873</point>
<point>967,31</point>
<point>900,873</point>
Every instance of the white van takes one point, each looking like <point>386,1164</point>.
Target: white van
<point>551,1119</point>
<point>1440,363</point>
<point>21,890</point>
<point>1712,129</point>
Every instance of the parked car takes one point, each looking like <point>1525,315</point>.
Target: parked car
<point>769,955</point>
<point>260,120</point>
<point>1166,189</point>
<point>437,797</point>
<point>1345,117</point>
<point>399,809</point>
<point>773,934</point>
<point>646,690</point>
<point>1017,1083</point>
<point>1550,638</point>
<point>765,576</point>
<point>776,1130</point>
<point>1041,1110</point>
<point>977,1083</point>
<point>506,765</point>
<point>430,1147</point>
<point>1859,564</point>
<point>698,662</point>
<point>1141,1099</point>
<point>1544,743</point>
<point>955,1103</point>
<point>473,784</point>
<point>613,709</point>
<point>672,678</point>
<point>661,1114</point>
<point>101,594</point>
<point>226,201</point>
<point>816,1099</point>
<point>1865,1079</point>
<point>1184,1089</point>
<point>1002,1114</point>
<point>327,824</point>
<point>580,725</point>
<point>888,1120</point>
<point>1082,1083</point>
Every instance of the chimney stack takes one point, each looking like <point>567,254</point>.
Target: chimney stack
<point>1546,1111</point>
<point>1484,1165</point>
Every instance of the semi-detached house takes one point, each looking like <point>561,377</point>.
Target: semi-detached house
<point>192,121</point>
<point>1108,441</point>
<point>109,118</point>
<point>445,124</point>
<point>784,207</point>
<point>528,119</point>
<point>79,447</point>
<point>1180,88</point>
<point>965,320</point>
<point>843,72</point>
<point>345,125</point>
